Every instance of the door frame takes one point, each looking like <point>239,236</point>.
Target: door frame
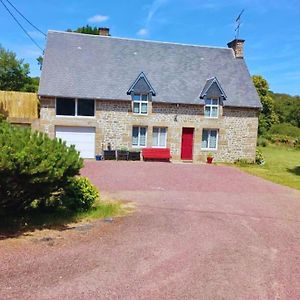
<point>192,156</point>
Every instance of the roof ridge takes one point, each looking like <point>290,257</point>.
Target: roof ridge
<point>138,40</point>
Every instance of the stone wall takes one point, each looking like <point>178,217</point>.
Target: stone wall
<point>114,120</point>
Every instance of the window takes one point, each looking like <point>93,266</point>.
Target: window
<point>65,107</point>
<point>159,137</point>
<point>209,139</point>
<point>86,107</point>
<point>75,107</point>
<point>140,104</point>
<point>211,109</point>
<point>139,136</point>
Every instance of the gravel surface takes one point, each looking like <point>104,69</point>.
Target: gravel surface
<point>199,232</point>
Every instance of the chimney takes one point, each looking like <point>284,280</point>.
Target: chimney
<point>104,31</point>
<point>238,47</point>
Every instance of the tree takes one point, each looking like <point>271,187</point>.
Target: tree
<point>40,61</point>
<point>14,73</point>
<point>268,116</point>
<point>86,29</point>
<point>32,168</point>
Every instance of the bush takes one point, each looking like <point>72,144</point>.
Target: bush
<point>32,167</point>
<point>285,129</point>
<point>80,194</point>
<point>259,159</point>
<point>262,141</point>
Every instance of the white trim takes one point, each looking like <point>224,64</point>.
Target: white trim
<point>76,108</point>
<point>140,102</point>
<point>211,106</point>
<point>158,136</point>
<point>139,136</point>
<point>208,142</point>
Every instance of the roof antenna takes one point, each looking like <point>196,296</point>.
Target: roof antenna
<point>238,23</point>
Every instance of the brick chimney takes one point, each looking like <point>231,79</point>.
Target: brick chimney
<point>238,47</point>
<point>104,31</point>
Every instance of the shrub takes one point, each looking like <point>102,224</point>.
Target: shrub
<point>262,141</point>
<point>259,159</point>
<point>32,167</point>
<point>285,129</point>
<point>243,162</point>
<point>80,194</point>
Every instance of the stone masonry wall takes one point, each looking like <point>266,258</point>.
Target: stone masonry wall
<point>114,120</point>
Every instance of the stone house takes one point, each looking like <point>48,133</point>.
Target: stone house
<point>97,91</point>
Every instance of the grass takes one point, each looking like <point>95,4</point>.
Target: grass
<point>282,165</point>
<point>58,219</point>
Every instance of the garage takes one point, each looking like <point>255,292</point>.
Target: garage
<point>82,137</point>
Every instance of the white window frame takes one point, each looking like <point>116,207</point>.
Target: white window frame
<point>139,137</point>
<point>76,109</point>
<point>208,142</point>
<point>211,105</point>
<point>159,133</point>
<point>140,102</point>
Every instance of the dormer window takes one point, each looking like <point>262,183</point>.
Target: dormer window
<point>140,104</point>
<point>141,93</point>
<point>211,109</point>
<point>213,96</point>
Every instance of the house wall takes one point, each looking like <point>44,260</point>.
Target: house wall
<point>114,120</point>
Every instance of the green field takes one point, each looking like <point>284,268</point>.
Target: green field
<point>282,165</point>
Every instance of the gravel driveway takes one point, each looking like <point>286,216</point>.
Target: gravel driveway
<point>199,232</point>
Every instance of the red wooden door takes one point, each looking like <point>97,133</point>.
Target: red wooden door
<point>187,143</point>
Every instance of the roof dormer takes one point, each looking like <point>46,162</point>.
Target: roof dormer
<point>213,89</point>
<point>141,86</point>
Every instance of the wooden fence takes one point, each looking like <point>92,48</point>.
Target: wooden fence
<point>19,105</point>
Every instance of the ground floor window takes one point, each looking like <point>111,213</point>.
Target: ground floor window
<point>159,137</point>
<point>139,136</point>
<point>209,139</point>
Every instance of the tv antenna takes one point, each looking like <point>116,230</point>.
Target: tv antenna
<point>238,23</point>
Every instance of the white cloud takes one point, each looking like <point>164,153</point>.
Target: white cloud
<point>143,32</point>
<point>152,10</point>
<point>98,19</point>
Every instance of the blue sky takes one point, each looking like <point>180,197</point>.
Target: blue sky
<point>271,28</point>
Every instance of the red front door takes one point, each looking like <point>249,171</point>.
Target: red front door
<point>187,143</point>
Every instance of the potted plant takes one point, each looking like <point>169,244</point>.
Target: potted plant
<point>122,154</point>
<point>209,158</point>
<point>109,154</point>
<point>134,155</point>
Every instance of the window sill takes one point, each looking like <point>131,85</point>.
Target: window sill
<point>137,114</point>
<point>77,117</point>
<point>211,117</point>
<point>209,149</point>
<point>138,147</point>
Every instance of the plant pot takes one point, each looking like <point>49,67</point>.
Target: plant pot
<point>134,155</point>
<point>99,157</point>
<point>109,154</point>
<point>209,160</point>
<point>122,155</point>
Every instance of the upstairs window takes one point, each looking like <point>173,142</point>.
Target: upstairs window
<point>75,107</point>
<point>211,109</point>
<point>159,137</point>
<point>140,104</point>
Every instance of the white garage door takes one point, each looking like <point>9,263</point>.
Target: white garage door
<point>82,137</point>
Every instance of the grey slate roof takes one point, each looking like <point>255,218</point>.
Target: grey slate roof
<point>89,66</point>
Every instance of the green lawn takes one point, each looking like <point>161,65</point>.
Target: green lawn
<point>282,166</point>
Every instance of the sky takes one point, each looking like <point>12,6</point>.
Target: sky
<point>271,28</point>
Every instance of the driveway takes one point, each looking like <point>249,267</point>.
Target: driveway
<point>199,232</point>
